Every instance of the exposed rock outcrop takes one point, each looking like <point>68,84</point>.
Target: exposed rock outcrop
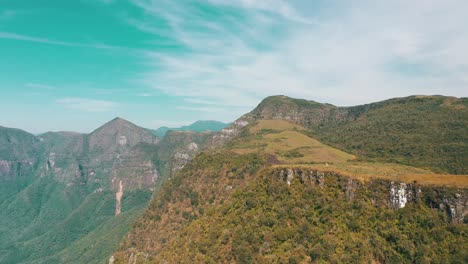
<point>230,132</point>
<point>118,199</point>
<point>453,202</point>
<point>401,194</point>
<point>456,206</point>
<point>311,177</point>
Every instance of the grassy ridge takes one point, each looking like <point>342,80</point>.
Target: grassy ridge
<point>420,131</point>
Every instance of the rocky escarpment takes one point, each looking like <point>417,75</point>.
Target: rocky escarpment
<point>177,148</point>
<point>453,202</point>
<point>230,132</point>
<point>18,168</point>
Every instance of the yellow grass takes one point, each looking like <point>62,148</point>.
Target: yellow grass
<point>279,125</point>
<point>288,145</point>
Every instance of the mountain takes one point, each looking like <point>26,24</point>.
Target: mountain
<point>71,197</point>
<point>198,126</point>
<point>421,131</point>
<point>293,181</point>
<point>267,189</point>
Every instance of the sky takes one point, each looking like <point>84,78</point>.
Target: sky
<point>74,65</point>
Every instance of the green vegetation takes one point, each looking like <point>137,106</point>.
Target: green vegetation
<point>47,222</point>
<point>269,222</point>
<point>215,210</point>
<point>57,199</point>
<point>204,183</point>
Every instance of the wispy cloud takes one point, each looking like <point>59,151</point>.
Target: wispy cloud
<point>368,51</point>
<point>40,86</point>
<point>88,105</point>
<point>101,46</point>
<point>144,94</point>
<point>8,35</point>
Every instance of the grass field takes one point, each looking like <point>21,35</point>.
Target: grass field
<point>291,146</point>
<point>288,144</point>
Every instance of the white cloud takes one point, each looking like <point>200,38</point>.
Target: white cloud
<point>372,51</point>
<point>88,105</point>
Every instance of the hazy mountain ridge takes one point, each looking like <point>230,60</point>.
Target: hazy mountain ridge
<point>198,126</point>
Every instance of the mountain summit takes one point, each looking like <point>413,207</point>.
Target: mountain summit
<point>119,133</point>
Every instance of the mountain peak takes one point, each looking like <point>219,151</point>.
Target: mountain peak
<point>287,108</point>
<point>118,133</point>
<point>119,120</point>
<point>117,123</point>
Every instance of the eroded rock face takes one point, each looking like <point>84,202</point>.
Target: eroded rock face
<point>351,188</point>
<point>456,207</point>
<point>311,177</point>
<point>184,156</point>
<point>453,202</point>
<point>12,169</point>
<point>118,199</point>
<point>229,132</point>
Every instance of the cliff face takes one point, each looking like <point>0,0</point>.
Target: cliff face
<point>450,201</point>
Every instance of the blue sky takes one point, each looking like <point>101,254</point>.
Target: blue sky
<point>73,65</point>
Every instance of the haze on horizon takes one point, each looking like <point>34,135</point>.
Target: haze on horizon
<point>74,65</point>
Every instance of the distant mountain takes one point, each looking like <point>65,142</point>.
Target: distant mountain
<point>198,126</point>
<point>58,191</point>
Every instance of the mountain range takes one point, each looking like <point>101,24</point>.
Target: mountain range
<point>292,181</point>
